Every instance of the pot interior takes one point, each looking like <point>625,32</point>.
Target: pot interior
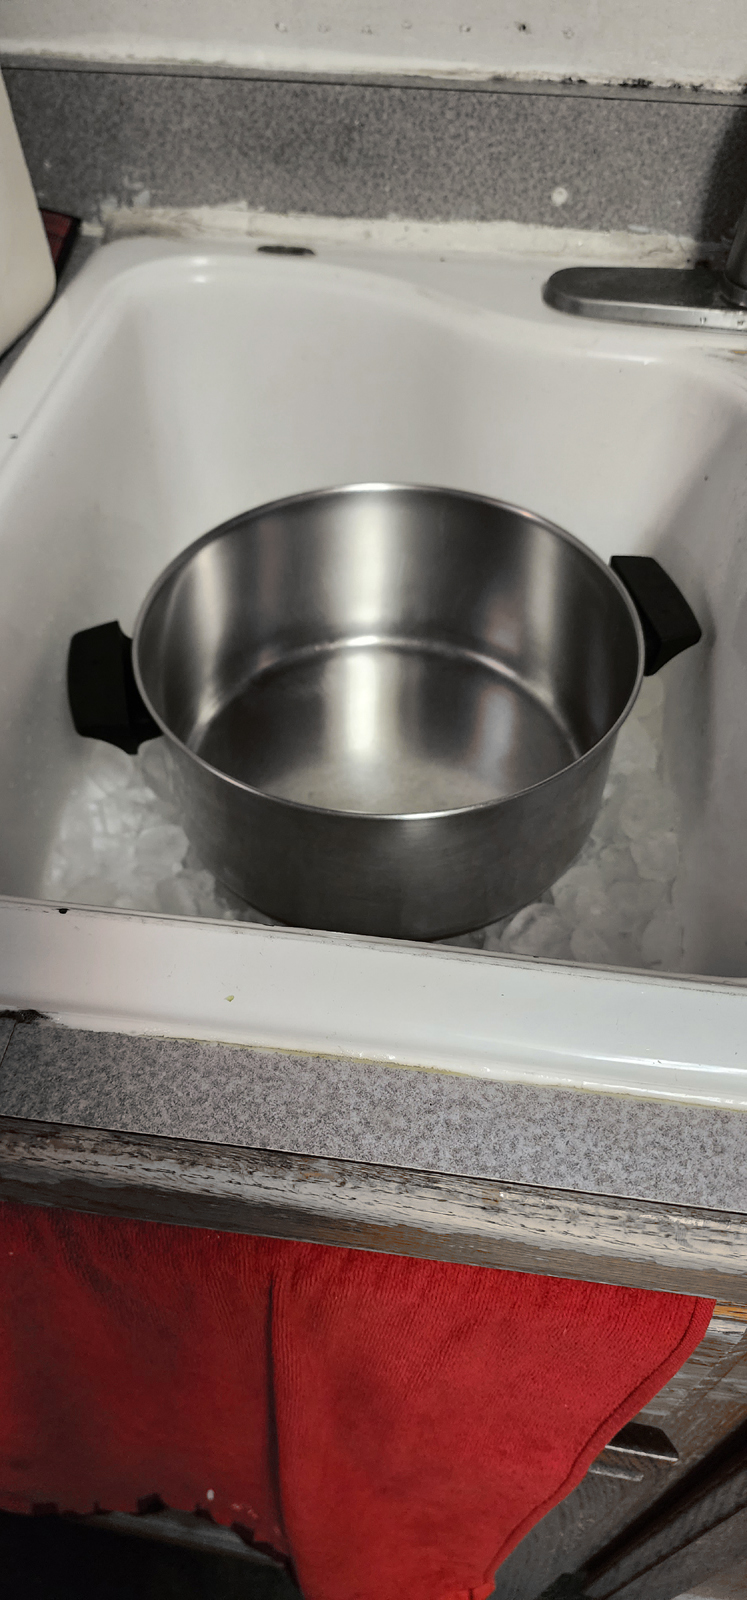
<point>387,650</point>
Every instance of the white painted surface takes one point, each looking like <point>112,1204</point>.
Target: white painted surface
<point>177,384</point>
<point>419,1005</point>
<point>661,41</point>
<point>27,278</point>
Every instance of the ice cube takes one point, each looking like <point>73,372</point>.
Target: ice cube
<point>632,904</point>
<point>521,920</point>
<point>635,750</point>
<point>606,825</point>
<point>161,849</point>
<point>627,951</point>
<point>587,945</point>
<point>176,896</point>
<point>595,908</point>
<point>110,768</point>
<point>647,807</point>
<point>584,876</point>
<point>120,813</point>
<point>76,826</point>
<point>616,863</point>
<point>138,794</point>
<point>209,901</point>
<point>88,792</point>
<point>156,767</point>
<point>494,933</point>
<point>537,931</point>
<point>657,856</point>
<point>661,944</point>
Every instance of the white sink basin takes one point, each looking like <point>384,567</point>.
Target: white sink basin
<point>171,388</point>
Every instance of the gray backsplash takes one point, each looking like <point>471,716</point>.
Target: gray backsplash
<point>363,149</point>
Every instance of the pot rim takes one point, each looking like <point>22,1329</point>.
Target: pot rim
<point>185,556</point>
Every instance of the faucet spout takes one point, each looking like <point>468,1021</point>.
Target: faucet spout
<point>681,297</point>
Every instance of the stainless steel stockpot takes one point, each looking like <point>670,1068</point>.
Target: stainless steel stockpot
<point>392,709</point>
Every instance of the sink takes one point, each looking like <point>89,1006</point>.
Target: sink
<point>174,386</point>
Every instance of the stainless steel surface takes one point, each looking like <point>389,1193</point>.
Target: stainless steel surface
<point>392,708</point>
<point>679,297</point>
<point>386,726</point>
<point>693,297</point>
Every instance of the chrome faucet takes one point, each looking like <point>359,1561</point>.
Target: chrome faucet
<point>699,296</point>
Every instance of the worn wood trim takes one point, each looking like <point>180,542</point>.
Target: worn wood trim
<point>694,1529</point>
<point>556,1232</point>
<point>696,1561</point>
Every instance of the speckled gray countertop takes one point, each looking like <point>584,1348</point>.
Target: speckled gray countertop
<point>368,1112</point>
<point>154,138</point>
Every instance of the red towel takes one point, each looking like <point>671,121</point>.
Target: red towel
<point>393,1426</point>
<point>61,232</point>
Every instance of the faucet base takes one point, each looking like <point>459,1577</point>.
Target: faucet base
<point>693,297</point>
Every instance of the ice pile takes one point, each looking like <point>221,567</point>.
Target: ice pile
<point>120,843</point>
<point>614,907</point>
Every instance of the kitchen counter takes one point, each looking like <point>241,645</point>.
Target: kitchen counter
<point>450,1144</point>
<point>576,1184</point>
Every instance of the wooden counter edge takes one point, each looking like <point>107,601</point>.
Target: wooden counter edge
<point>559,1233</point>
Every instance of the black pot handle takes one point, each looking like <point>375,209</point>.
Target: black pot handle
<point>666,619</point>
<point>104,698</point>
